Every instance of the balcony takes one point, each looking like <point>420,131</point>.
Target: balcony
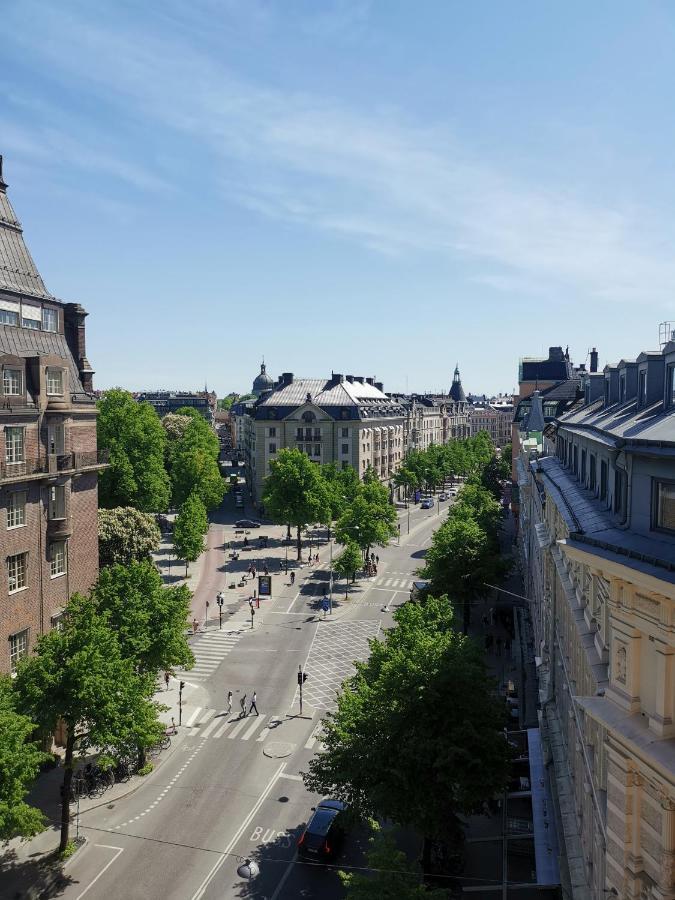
<point>58,529</point>
<point>51,465</point>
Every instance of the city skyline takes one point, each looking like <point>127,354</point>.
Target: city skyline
<point>337,172</point>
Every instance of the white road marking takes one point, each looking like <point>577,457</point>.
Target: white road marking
<point>237,728</point>
<point>290,605</point>
<point>106,866</point>
<point>247,821</point>
<point>290,776</point>
<point>313,736</point>
<point>213,724</point>
<point>193,716</point>
<point>221,731</point>
<point>247,734</point>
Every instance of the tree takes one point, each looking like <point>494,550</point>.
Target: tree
<point>189,529</point>
<point>295,493</point>
<point>417,733</point>
<point>192,460</point>
<point>478,503</point>
<point>20,760</point>
<point>125,534</point>
<point>342,486</point>
<point>390,875</point>
<point>133,434</point>
<point>366,523</point>
<point>348,563</point>
<point>175,424</point>
<point>148,618</point>
<point>78,676</point>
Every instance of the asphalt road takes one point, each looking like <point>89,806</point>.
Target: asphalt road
<point>231,788</point>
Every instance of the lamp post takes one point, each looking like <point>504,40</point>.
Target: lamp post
<point>330,582</point>
<point>408,519</point>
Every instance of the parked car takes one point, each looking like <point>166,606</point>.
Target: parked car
<point>442,496</point>
<point>246,523</point>
<point>325,831</point>
<point>427,503</point>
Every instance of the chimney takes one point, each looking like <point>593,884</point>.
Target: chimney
<point>582,367</point>
<point>379,386</point>
<point>350,378</point>
<point>3,186</point>
<point>287,378</point>
<point>336,378</point>
<point>73,322</point>
<point>370,381</point>
<point>555,354</point>
<point>594,360</point>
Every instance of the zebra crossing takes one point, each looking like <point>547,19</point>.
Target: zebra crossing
<point>209,650</point>
<point>401,581</point>
<point>217,725</point>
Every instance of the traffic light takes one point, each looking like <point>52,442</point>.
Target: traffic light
<point>181,685</point>
<point>302,677</point>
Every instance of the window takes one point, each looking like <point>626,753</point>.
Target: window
<point>299,434</point>
<point>273,448</point>
<point>603,479</point>
<point>642,387</point>
<point>622,388</point>
<point>57,501</point>
<point>317,434</point>
<point>317,450</point>
<point>12,382</point>
<point>58,559</point>
<point>308,434</point>
<point>301,448</point>
<point>16,572</point>
<point>54,382</point>
<point>14,444</point>
<point>8,317</point>
<point>18,648</point>
<point>273,432</point>
<point>583,466</point>
<point>16,509</point>
<point>606,391</point>
<point>664,512</point>
<point>57,621</point>
<point>30,323</point>
<point>591,474</point>
<point>618,490</point>
<point>345,432</point>
<point>57,442</point>
<point>50,319</point>
<point>345,448</point>
<point>308,416</point>
<point>670,386</point>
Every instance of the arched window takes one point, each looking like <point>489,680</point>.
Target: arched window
<point>308,416</point>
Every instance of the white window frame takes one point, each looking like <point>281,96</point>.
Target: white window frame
<point>15,444</point>
<point>48,312</point>
<point>57,502</point>
<point>18,648</point>
<point>58,559</point>
<point>12,378</point>
<point>52,374</point>
<point>18,563</point>
<point>16,510</point>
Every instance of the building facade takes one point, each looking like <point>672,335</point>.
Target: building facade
<point>347,420</point>
<point>597,538</point>
<point>495,419</point>
<point>164,402</point>
<point>48,454</point>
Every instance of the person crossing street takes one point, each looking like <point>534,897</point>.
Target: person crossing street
<point>254,706</point>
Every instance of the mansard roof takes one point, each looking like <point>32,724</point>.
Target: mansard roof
<point>18,272</point>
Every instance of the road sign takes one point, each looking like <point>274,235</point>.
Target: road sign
<point>264,585</point>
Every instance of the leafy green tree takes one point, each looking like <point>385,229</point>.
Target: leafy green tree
<point>295,493</point>
<point>78,676</point>
<point>366,523</point>
<point>189,529</point>
<point>148,618</point>
<point>417,734</point>
<point>478,503</point>
<point>133,434</point>
<point>390,877</point>
<point>125,534</point>
<point>342,486</point>
<point>192,460</point>
<point>175,424</point>
<point>20,760</point>
<point>348,563</point>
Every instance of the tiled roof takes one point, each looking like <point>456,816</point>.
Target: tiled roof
<point>18,272</point>
<point>325,393</point>
<point>624,421</point>
<point>29,342</point>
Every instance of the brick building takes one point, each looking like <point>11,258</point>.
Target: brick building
<point>48,455</point>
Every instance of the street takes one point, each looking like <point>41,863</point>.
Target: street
<point>231,788</point>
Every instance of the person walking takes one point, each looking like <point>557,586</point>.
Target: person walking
<point>242,703</point>
<point>292,577</point>
<point>266,571</point>
<point>254,704</point>
<point>195,626</point>
<point>166,679</point>
<point>229,703</point>
<point>377,560</point>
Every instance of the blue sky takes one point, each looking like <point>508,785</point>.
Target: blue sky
<point>379,188</point>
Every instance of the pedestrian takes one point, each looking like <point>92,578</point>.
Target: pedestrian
<point>242,703</point>
<point>254,701</point>
<point>250,569</point>
<point>229,703</point>
<point>292,577</point>
<point>174,730</point>
<point>377,560</point>
<point>195,626</point>
<point>245,542</point>
<point>266,570</point>
<point>166,680</point>
<point>372,557</point>
<point>250,602</point>
<point>254,573</point>
<point>317,558</point>
<point>281,565</point>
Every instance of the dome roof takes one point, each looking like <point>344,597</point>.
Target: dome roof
<point>262,382</point>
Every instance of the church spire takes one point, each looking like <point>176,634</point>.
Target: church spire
<point>457,391</point>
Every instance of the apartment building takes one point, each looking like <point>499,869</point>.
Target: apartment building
<point>48,454</point>
<point>597,539</point>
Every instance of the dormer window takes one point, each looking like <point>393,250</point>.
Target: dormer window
<point>9,312</point>
<point>642,387</point>
<point>622,388</point>
<point>308,416</point>
<point>12,382</point>
<point>54,382</point>
<point>606,391</point>
<point>31,316</point>
<point>50,319</point>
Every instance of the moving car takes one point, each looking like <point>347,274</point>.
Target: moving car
<point>246,523</point>
<point>324,833</point>
<point>442,496</point>
<point>427,503</point>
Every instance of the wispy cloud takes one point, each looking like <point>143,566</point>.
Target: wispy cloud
<point>369,176</point>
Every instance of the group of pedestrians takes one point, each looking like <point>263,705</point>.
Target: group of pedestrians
<point>242,705</point>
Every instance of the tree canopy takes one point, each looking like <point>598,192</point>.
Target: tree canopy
<point>133,434</point>
<point>20,759</point>
<point>125,534</point>
<point>295,493</point>
<point>348,562</point>
<point>192,460</point>
<point>189,529</point>
<point>417,734</point>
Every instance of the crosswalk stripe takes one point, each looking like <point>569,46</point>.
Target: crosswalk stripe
<point>237,728</point>
<point>247,734</point>
<point>193,716</point>
<point>213,724</point>
<point>223,728</point>
<point>312,738</point>
<point>266,731</point>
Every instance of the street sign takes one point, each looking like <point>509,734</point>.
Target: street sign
<point>264,585</point>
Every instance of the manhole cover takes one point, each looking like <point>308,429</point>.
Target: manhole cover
<point>278,749</point>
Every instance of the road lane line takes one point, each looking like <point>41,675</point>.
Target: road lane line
<point>193,716</point>
<point>290,605</point>
<point>106,866</point>
<point>290,776</point>
<point>247,734</point>
<point>244,825</point>
<point>391,598</point>
<point>237,728</point>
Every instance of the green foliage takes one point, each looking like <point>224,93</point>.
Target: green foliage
<point>417,736</point>
<point>391,875</point>
<point>189,529</point>
<point>146,769</point>
<point>474,501</point>
<point>68,850</point>
<point>133,434</point>
<point>175,424</point>
<point>367,522</point>
<point>349,561</point>
<point>295,493</point>
<point>342,486</point>
<point>125,534</point>
<point>192,460</point>
<point>20,760</point>
<point>79,676</point>
<point>149,618</point>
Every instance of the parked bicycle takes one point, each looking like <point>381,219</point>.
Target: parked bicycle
<point>162,744</point>
<point>91,781</point>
